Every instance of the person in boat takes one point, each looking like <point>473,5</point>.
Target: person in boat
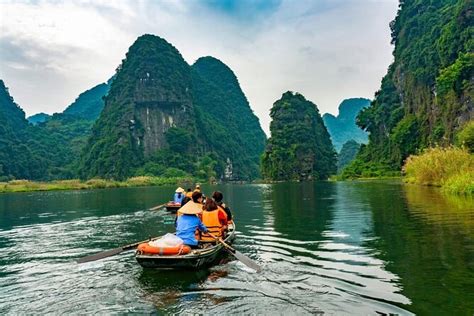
<point>197,197</point>
<point>189,222</point>
<point>217,197</point>
<point>187,197</point>
<point>178,196</point>
<point>215,220</point>
<point>197,188</point>
<point>189,193</point>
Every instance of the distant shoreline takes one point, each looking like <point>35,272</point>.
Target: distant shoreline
<point>14,186</point>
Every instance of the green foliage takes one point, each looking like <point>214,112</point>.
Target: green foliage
<point>203,107</point>
<point>75,184</point>
<point>205,169</point>
<point>179,139</point>
<point>348,153</point>
<point>89,104</point>
<point>226,124</point>
<point>343,127</point>
<point>155,76</point>
<point>465,137</point>
<point>300,146</point>
<point>456,76</point>
<point>451,168</point>
<point>433,48</point>
<point>38,118</point>
<point>152,69</point>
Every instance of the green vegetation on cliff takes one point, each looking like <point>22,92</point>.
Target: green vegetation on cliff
<point>150,88</point>
<point>90,103</point>
<point>299,147</point>
<point>225,121</point>
<point>342,127</point>
<point>348,152</point>
<point>163,117</point>
<point>38,118</point>
<point>427,94</point>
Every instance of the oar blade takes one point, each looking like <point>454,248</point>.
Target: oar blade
<point>246,260</point>
<point>100,255</point>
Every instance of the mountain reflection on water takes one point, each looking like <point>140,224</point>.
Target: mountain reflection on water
<point>334,248</point>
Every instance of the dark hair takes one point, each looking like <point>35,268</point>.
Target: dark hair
<point>210,205</point>
<point>217,196</point>
<point>189,190</point>
<point>196,196</point>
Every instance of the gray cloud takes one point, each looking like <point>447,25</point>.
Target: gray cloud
<point>327,49</point>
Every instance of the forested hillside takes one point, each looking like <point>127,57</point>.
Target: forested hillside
<point>38,118</point>
<point>90,103</point>
<point>163,117</point>
<point>300,147</point>
<point>427,94</point>
<point>225,120</point>
<point>26,151</point>
<point>342,127</point>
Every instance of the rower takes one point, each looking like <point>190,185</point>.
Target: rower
<point>178,196</point>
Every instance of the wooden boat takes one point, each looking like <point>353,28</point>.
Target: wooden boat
<point>172,207</point>
<point>195,260</point>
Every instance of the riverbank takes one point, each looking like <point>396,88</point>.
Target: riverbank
<point>75,184</point>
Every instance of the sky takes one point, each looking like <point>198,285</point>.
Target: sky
<point>327,50</point>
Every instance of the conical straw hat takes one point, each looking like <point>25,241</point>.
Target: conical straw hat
<point>179,190</point>
<point>191,208</point>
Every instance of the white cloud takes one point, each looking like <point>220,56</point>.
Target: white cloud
<point>327,50</point>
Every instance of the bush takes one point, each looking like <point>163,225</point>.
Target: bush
<point>462,183</point>
<point>448,167</point>
<point>465,137</point>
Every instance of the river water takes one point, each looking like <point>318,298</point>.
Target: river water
<point>358,248</point>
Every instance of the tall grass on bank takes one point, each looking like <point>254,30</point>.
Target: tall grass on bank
<point>450,168</point>
<point>75,184</point>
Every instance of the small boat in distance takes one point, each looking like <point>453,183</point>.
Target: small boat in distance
<point>173,206</point>
<point>195,259</point>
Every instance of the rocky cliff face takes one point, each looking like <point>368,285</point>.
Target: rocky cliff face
<point>150,94</point>
<point>226,122</point>
<point>162,113</point>
<point>427,94</point>
<point>299,147</point>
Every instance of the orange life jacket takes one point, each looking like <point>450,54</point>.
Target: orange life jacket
<point>211,221</point>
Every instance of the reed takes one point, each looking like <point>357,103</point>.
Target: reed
<point>451,168</point>
<point>76,184</point>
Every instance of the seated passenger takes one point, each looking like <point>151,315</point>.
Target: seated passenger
<point>178,196</point>
<point>188,223</point>
<point>214,219</point>
<point>187,197</point>
<point>217,196</point>
<point>197,197</point>
<point>197,188</point>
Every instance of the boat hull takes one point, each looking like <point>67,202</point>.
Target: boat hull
<point>195,260</point>
<point>171,207</point>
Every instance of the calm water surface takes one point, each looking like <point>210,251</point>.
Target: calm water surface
<point>363,248</point>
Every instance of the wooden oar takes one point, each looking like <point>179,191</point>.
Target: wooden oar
<point>111,252</point>
<point>238,255</point>
<point>157,207</point>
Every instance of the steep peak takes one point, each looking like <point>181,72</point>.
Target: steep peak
<point>217,72</point>
<point>8,108</point>
<point>350,108</point>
